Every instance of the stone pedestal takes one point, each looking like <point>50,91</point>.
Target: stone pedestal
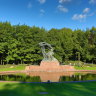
<point>50,66</point>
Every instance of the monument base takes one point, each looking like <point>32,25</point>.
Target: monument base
<point>50,66</point>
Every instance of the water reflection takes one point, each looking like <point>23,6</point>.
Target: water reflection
<point>52,76</point>
<point>45,76</point>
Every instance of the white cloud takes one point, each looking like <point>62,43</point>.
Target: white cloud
<point>42,1</point>
<point>29,5</point>
<point>92,1</point>
<point>61,8</point>
<point>86,10</point>
<point>83,15</point>
<point>79,17</point>
<point>92,14</point>
<point>42,11</point>
<point>63,1</point>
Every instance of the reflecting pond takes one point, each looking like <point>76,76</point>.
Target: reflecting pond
<point>45,76</point>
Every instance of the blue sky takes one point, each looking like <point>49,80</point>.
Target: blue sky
<point>50,13</point>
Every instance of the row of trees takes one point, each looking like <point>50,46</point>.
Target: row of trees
<point>19,44</point>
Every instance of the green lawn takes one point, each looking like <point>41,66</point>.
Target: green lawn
<point>11,67</point>
<point>85,68</point>
<point>53,89</point>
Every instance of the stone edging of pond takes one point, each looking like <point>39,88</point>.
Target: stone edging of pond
<point>48,82</point>
<point>84,70</point>
<point>23,71</point>
<point>6,72</point>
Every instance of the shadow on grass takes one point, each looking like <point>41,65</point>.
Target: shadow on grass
<point>48,89</point>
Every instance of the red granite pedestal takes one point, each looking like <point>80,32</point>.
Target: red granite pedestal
<point>50,66</point>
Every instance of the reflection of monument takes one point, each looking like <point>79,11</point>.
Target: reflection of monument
<point>49,63</point>
<point>52,76</point>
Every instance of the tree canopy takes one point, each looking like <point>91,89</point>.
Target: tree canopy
<point>19,44</point>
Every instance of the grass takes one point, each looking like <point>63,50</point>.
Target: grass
<point>85,68</point>
<point>11,67</point>
<point>52,89</point>
<point>79,65</point>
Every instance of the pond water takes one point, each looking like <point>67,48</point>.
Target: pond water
<point>45,76</point>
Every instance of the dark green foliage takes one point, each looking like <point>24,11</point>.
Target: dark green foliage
<point>19,44</point>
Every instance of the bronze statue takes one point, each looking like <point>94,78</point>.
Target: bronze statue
<point>48,56</point>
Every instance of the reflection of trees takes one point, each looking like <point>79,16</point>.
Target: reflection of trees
<point>25,78</point>
<point>21,78</point>
<point>79,77</point>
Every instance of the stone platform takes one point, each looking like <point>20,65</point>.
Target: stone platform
<point>50,66</point>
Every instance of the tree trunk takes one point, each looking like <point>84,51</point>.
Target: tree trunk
<point>1,61</point>
<point>21,61</point>
<point>7,62</point>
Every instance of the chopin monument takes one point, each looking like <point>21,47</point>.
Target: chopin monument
<point>48,56</point>
<point>49,62</point>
